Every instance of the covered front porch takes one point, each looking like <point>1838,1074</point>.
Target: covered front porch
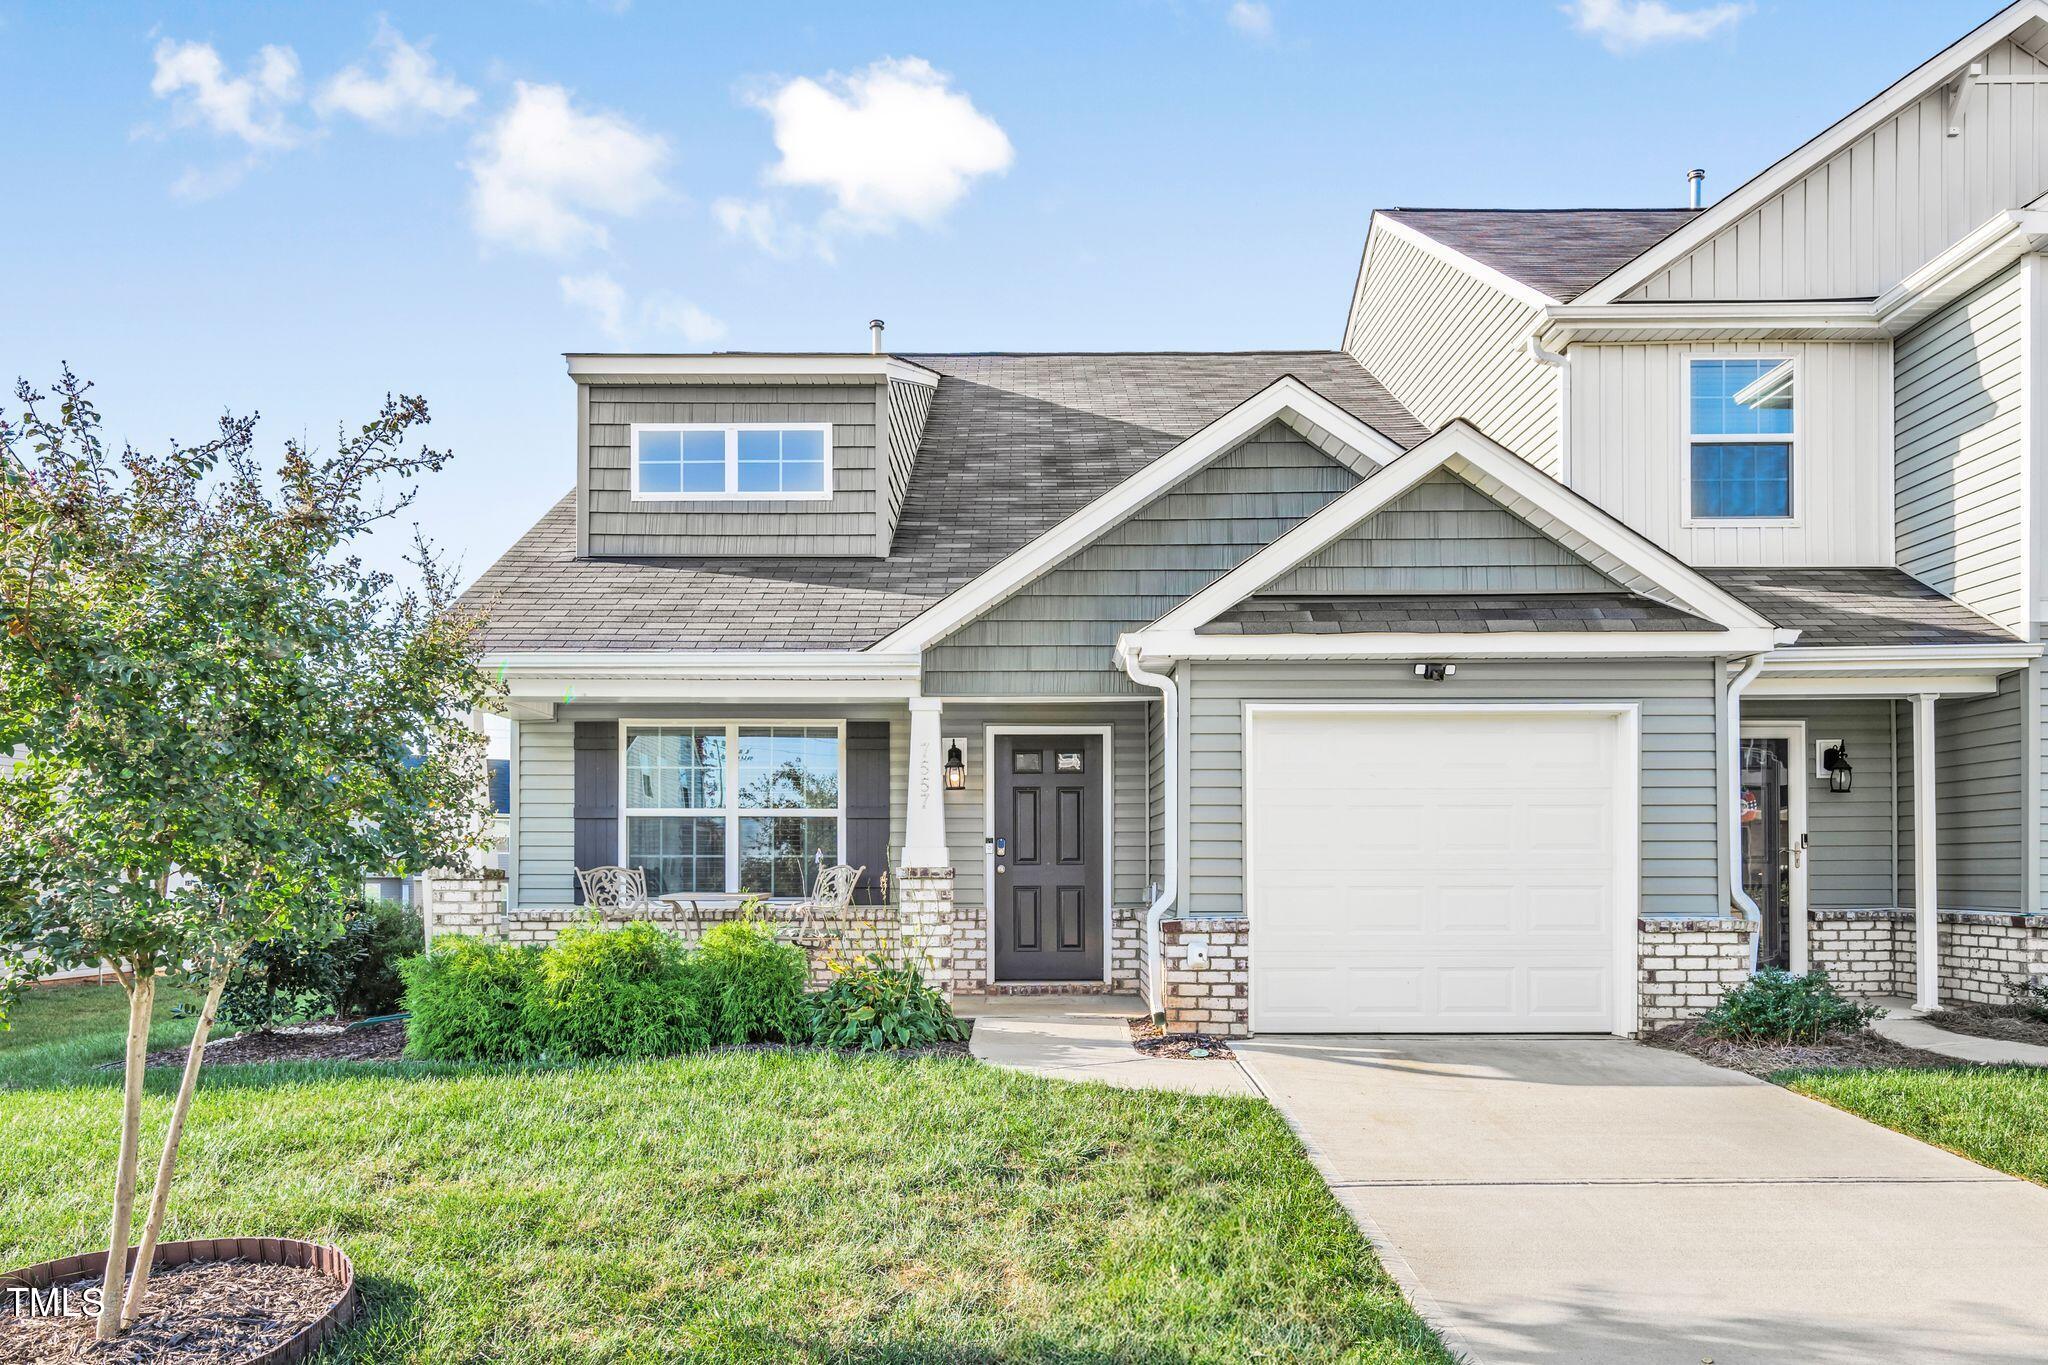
<point>735,777</point>
<point>1886,811</point>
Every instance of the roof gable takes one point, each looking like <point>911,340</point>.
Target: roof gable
<point>1557,253</point>
<point>1911,117</point>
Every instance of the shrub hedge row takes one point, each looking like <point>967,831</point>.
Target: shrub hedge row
<point>636,991</point>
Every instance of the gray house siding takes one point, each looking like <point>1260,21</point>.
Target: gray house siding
<point>1057,634</point>
<point>1960,451</point>
<point>1442,536</point>
<point>848,523</point>
<point>909,405</point>
<point>1849,863</point>
<point>1980,812</point>
<point>1680,866</point>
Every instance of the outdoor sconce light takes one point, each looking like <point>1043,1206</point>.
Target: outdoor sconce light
<point>956,769</point>
<point>1835,762</point>
<point>1435,672</point>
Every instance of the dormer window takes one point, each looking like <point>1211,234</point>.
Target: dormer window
<point>731,460</point>
<point>1741,432</point>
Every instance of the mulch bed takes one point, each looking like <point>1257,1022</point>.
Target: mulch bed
<point>1841,1051</point>
<point>198,1313</point>
<point>383,1042</point>
<point>2008,1023</point>
<point>1150,1037</point>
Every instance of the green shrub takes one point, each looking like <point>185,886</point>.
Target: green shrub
<point>629,992</point>
<point>346,965</point>
<point>468,1001</point>
<point>1776,1006</point>
<point>871,1005</point>
<point>754,982</point>
<point>2030,995</point>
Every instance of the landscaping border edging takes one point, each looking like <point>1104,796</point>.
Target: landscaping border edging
<point>331,1261</point>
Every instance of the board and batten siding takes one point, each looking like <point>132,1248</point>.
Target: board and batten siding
<point>1629,455</point>
<point>1057,634</point>
<point>1883,206</point>
<point>1980,814</point>
<point>1959,396</point>
<point>909,405</point>
<point>1680,863</point>
<point>1850,851</point>
<point>848,523</point>
<point>1447,344</point>
<point>1442,536</point>
<point>1130,783</point>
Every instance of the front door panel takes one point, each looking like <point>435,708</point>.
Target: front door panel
<point>1047,870</point>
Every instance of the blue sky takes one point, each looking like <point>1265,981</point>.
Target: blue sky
<point>442,199</point>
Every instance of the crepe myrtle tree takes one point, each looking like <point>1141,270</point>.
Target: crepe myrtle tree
<point>221,720</point>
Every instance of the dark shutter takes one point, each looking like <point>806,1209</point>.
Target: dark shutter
<point>867,804</point>
<point>597,795</point>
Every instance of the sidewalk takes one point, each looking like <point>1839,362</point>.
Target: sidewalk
<point>1904,1025</point>
<point>1087,1038</point>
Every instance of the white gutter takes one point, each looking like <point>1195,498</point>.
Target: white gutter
<point>1731,712</point>
<point>1169,885</point>
<point>1557,361</point>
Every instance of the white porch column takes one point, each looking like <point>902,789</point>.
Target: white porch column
<point>1926,872</point>
<point>924,822</point>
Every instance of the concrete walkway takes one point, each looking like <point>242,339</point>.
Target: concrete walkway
<point>1592,1200</point>
<point>1087,1038</point>
<point>1904,1025</point>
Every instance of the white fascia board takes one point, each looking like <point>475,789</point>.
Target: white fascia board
<point>1878,659</point>
<point>1461,440</point>
<point>1845,319</point>
<point>865,368</point>
<point>1996,244</point>
<point>1479,270</point>
<point>565,689</point>
<point>1284,396</point>
<point>1154,645</point>
<point>1938,70</point>
<point>1801,687</point>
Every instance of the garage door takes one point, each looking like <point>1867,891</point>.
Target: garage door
<point>1436,871</point>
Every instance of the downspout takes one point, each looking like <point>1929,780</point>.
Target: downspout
<point>1557,361</point>
<point>1169,720</point>
<point>1731,711</point>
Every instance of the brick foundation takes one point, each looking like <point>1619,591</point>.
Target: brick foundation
<point>1984,954</point>
<point>1126,948</point>
<point>1685,966</point>
<point>1214,997</point>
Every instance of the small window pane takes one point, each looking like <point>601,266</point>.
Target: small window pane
<point>789,767</point>
<point>1741,480</point>
<point>660,456</point>
<point>760,476</point>
<point>1027,761</point>
<point>803,476</point>
<point>780,854</point>
<point>1741,398</point>
<point>704,462</point>
<point>675,768</point>
<point>803,445</point>
<point>703,478</point>
<point>661,478</point>
<point>1068,761</point>
<point>679,853</point>
<point>664,446</point>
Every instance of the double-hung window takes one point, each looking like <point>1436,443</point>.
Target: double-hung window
<point>1741,433</point>
<point>723,808</point>
<point>675,460</point>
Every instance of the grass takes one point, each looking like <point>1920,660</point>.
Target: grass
<point>744,1206</point>
<point>1997,1116</point>
<point>61,1033</point>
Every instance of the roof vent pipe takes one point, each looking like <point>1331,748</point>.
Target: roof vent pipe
<point>1695,187</point>
<point>874,336</point>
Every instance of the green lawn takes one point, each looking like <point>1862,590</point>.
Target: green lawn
<point>1994,1115</point>
<point>737,1207</point>
<point>60,1033</point>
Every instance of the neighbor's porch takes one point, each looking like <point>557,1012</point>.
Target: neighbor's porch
<point>1888,821</point>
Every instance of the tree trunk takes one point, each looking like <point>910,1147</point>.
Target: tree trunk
<point>160,1193</point>
<point>141,999</point>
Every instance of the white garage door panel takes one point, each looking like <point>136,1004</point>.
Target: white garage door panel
<point>1434,871</point>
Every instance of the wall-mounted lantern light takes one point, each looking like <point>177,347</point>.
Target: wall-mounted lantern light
<point>1834,760</point>
<point>956,769</point>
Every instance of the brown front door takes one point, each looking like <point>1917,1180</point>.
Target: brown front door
<point>1048,857</point>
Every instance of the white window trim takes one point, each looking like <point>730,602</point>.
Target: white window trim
<point>1694,439</point>
<point>731,431</point>
<point>731,814</point>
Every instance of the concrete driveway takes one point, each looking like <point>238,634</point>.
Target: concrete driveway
<point>1592,1200</point>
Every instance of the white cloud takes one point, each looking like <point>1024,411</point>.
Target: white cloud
<point>891,143</point>
<point>1629,25</point>
<point>545,171</point>
<point>1250,18</point>
<point>250,107</point>
<point>412,90</point>
<point>760,222</point>
<point>658,315</point>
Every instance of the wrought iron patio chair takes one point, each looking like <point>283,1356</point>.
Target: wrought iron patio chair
<point>614,888</point>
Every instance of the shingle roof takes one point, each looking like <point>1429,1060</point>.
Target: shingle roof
<point>1558,252</point>
<point>1013,445</point>
<point>1433,613</point>
<point>1858,606</point>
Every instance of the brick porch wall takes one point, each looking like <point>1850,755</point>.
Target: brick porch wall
<point>1214,998</point>
<point>1684,966</point>
<point>1983,953</point>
